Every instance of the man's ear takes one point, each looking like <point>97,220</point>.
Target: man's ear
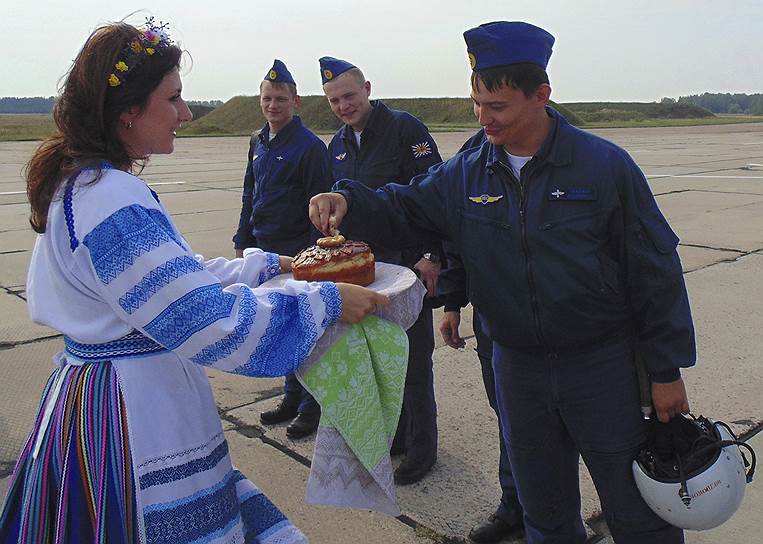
<point>297,102</point>
<point>543,94</point>
<point>367,87</point>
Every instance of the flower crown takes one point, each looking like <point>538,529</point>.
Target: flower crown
<point>146,43</point>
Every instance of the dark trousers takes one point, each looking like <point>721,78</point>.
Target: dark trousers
<point>294,393</point>
<point>417,428</point>
<point>555,408</point>
<point>509,509</point>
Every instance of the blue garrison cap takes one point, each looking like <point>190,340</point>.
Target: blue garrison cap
<point>331,68</point>
<point>279,73</point>
<point>503,42</point>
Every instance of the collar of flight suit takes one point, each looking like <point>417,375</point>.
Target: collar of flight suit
<point>379,112</point>
<point>290,128</point>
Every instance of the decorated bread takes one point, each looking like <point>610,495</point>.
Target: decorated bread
<point>336,259</point>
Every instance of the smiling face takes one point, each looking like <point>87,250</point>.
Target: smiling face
<point>152,129</point>
<point>510,118</point>
<point>278,103</point>
<point>349,99</point>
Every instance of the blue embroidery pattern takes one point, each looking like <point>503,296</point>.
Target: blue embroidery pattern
<point>123,236</point>
<point>291,319</point>
<point>189,314</point>
<point>223,348</point>
<point>172,474</point>
<point>330,296</point>
<point>69,213</point>
<point>155,280</point>
<point>163,458</point>
<point>199,515</point>
<point>131,345</point>
<point>272,268</point>
<point>163,220</point>
<point>259,515</point>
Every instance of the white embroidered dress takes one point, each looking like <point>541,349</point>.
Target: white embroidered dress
<point>114,275</point>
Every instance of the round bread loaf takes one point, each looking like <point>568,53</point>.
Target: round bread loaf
<point>349,262</point>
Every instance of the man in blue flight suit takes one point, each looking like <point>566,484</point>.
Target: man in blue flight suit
<point>377,145</point>
<point>287,164</point>
<point>506,521</point>
<point>575,273</point>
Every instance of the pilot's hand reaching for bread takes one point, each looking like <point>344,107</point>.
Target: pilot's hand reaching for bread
<point>327,211</point>
<point>358,301</point>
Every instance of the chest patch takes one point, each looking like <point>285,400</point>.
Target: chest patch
<point>485,199</point>
<point>572,193</point>
<point>341,156</point>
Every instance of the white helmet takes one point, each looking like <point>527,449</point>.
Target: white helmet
<point>692,472</point>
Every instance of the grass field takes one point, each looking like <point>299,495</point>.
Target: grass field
<point>32,127</point>
<point>25,126</point>
<point>692,121</point>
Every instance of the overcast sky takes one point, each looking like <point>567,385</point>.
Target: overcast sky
<point>614,50</point>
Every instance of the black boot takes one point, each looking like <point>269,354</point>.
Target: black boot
<point>304,425</point>
<point>282,412</point>
<point>413,469</point>
<point>495,529</point>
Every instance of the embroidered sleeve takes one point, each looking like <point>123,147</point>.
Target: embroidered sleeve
<point>255,268</point>
<point>165,292</point>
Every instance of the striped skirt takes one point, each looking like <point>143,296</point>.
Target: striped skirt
<point>74,479</point>
<point>77,480</point>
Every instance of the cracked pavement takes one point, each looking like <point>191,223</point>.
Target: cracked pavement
<point>703,182</point>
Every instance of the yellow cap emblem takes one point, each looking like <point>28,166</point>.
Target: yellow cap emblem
<point>273,74</point>
<point>472,60</point>
<point>328,74</point>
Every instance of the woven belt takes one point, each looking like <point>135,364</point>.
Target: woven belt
<point>135,344</point>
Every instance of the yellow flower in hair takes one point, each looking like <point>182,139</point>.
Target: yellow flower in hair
<point>114,80</point>
<point>155,40</point>
<point>135,46</point>
<point>121,66</point>
<point>149,50</point>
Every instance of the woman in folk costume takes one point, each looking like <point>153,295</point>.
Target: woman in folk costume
<point>127,445</point>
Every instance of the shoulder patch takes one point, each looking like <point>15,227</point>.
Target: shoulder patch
<point>421,149</point>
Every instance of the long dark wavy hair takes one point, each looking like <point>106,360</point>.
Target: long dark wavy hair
<point>87,112</point>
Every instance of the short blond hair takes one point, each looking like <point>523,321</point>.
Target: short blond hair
<point>282,85</point>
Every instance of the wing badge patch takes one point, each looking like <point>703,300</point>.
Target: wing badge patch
<point>485,199</point>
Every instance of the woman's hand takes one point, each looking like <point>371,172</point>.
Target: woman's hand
<point>358,301</point>
<point>285,263</point>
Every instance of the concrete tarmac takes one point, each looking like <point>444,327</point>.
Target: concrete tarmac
<point>705,180</point>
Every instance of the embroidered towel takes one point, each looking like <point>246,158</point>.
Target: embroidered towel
<point>357,375</point>
<point>359,384</point>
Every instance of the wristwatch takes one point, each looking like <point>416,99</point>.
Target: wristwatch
<point>432,257</point>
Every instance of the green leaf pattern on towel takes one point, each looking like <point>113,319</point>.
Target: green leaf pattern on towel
<point>359,384</point>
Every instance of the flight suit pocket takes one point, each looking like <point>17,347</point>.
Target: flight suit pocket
<point>610,273</point>
<point>659,232</point>
<point>656,258</point>
<point>486,242</point>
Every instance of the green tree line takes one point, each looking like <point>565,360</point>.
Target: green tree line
<point>737,103</point>
<point>41,104</point>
